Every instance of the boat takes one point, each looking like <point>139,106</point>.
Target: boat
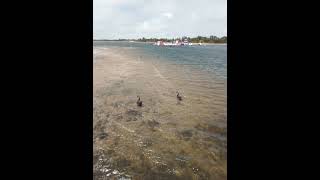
<point>173,43</point>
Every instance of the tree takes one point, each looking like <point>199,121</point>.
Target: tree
<point>224,39</point>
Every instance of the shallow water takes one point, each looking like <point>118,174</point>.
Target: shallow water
<point>165,138</point>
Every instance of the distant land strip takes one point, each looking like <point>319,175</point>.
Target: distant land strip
<point>198,39</point>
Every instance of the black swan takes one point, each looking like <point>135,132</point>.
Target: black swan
<point>139,102</point>
<point>179,97</point>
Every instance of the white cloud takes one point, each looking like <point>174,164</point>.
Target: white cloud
<point>113,19</point>
<point>168,15</point>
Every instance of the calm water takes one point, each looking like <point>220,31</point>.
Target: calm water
<point>166,138</point>
<point>210,58</point>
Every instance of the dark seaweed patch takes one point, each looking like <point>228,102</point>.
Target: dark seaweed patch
<point>132,112</point>
<point>147,142</point>
<point>153,123</point>
<point>185,134</point>
<point>209,128</point>
<point>102,135</point>
<point>122,163</point>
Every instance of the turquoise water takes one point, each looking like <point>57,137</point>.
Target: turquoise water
<point>209,58</point>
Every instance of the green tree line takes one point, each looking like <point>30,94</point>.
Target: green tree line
<point>198,39</point>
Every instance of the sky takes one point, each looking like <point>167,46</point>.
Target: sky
<point>132,19</point>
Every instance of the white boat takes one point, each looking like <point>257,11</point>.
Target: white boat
<point>175,43</point>
<point>158,43</point>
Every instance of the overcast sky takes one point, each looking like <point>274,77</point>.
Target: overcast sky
<point>114,19</point>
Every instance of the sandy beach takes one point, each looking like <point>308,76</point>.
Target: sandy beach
<point>165,138</point>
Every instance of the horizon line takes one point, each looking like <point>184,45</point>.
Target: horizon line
<point>156,38</point>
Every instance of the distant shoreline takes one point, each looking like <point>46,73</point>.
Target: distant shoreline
<point>214,43</point>
<point>210,44</point>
